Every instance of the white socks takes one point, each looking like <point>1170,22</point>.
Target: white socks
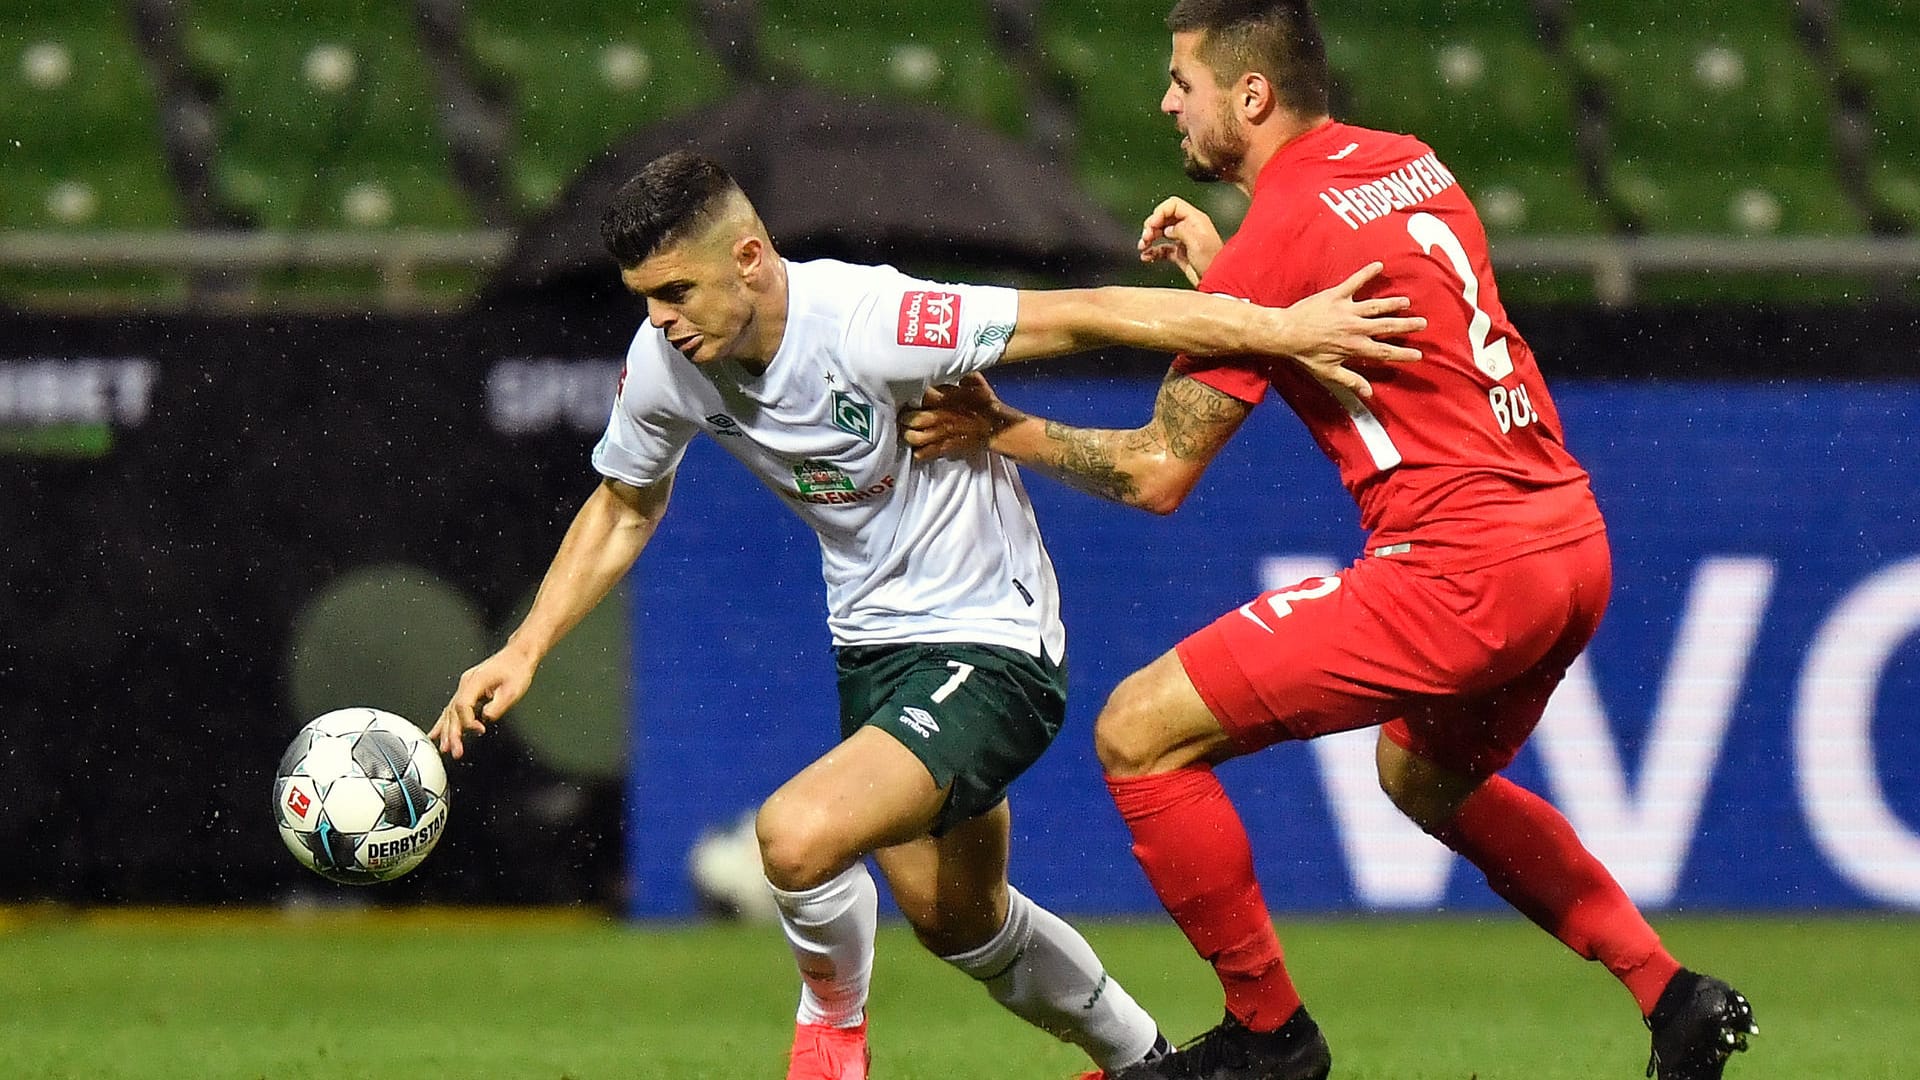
<point>831,930</point>
<point>1037,966</point>
<point>1045,973</point>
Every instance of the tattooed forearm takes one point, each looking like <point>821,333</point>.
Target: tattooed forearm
<point>1195,417</point>
<point>1090,460</point>
<point>1152,467</point>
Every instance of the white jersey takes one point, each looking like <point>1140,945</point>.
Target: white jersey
<point>912,551</point>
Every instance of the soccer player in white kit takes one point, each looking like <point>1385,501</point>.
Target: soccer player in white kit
<point>941,599</point>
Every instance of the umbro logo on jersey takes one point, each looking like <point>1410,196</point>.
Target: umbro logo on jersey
<point>725,425</point>
<point>853,416</point>
<point>993,334</point>
<point>920,720</point>
<point>929,319</point>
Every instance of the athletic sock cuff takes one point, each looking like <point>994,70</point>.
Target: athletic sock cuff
<point>1003,950</point>
<point>825,901</point>
<point>1144,796</point>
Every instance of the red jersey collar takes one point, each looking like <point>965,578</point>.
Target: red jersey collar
<point>1314,140</point>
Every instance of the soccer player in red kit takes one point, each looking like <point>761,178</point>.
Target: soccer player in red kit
<point>1485,573</point>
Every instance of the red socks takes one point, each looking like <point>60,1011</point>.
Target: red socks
<point>1190,842</point>
<point>1194,849</point>
<point>1534,861</point>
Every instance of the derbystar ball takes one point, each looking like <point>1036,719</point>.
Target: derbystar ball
<point>360,796</point>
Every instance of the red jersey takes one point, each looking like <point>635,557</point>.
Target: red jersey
<point>1460,456</point>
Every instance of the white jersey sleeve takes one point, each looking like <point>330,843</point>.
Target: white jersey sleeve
<point>908,330</point>
<point>648,433</point>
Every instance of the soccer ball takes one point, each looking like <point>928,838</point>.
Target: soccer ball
<point>728,880</point>
<point>360,796</point>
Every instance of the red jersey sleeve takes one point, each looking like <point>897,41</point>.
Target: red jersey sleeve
<point>1244,377</point>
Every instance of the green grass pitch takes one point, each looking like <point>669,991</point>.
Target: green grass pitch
<point>463,995</point>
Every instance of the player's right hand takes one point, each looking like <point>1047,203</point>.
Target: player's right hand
<point>1177,232</point>
<point>1332,327</point>
<point>954,420</point>
<point>486,691</point>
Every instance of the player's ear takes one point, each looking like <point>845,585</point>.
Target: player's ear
<point>749,253</point>
<point>1255,97</point>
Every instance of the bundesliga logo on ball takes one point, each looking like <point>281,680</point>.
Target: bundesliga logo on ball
<point>360,796</point>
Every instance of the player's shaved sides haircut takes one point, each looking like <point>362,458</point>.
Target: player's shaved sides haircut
<point>670,199</point>
<point>1277,38</point>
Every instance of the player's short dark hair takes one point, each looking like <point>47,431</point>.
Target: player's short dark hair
<point>665,202</point>
<point>1277,38</point>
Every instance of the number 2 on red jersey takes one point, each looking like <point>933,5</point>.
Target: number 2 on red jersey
<point>1511,408</point>
<point>1489,356</point>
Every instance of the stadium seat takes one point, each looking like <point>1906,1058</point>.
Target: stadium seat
<point>579,77</point>
<point>79,142</point>
<point>1877,40</point>
<point>79,147</point>
<point>1896,188</point>
<point>326,117</point>
<point>1878,45</point>
<point>1719,121</point>
<point>1751,200</point>
<point>1530,197</point>
<point>943,54</point>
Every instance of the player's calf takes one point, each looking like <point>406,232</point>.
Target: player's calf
<point>1040,969</point>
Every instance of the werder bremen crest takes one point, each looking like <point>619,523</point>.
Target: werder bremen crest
<point>853,416</point>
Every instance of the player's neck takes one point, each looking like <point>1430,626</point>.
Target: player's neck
<point>769,323</point>
<point>1269,140</point>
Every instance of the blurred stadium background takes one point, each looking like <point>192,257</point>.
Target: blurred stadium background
<point>327,153</point>
<point>304,336</point>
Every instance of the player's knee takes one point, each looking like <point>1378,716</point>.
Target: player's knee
<point>1416,788</point>
<point>798,848</point>
<point>1125,739</point>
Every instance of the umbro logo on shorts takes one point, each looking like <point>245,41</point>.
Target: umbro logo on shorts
<point>920,720</point>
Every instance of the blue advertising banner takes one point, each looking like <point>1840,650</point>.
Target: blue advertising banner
<point>1741,735</point>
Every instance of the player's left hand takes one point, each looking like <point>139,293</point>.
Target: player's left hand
<point>954,419</point>
<point>1329,328</point>
<point>485,693</point>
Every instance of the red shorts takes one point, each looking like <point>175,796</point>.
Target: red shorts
<point>1458,668</point>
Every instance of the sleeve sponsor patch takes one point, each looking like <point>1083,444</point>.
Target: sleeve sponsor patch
<point>929,319</point>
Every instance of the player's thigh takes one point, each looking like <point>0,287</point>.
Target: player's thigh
<point>1376,642</point>
<point>1546,607</point>
<point>867,792</point>
<point>1323,655</point>
<point>1155,721</point>
<point>953,888</point>
<point>975,716</point>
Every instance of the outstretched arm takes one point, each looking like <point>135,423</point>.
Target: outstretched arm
<point>1321,332</point>
<point>1152,467</point>
<point>606,536</point>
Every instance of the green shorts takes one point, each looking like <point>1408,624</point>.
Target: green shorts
<point>975,715</point>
